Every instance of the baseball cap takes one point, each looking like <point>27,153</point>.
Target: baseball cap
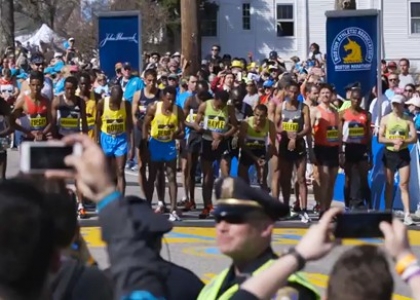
<point>398,99</point>
<point>392,64</point>
<point>71,39</point>
<point>414,101</point>
<point>127,65</point>
<point>176,54</point>
<point>38,59</point>
<point>268,83</point>
<point>173,76</point>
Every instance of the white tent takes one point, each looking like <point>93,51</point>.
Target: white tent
<point>44,34</point>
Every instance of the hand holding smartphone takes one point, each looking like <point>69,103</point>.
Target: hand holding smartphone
<point>355,225</point>
<point>38,157</point>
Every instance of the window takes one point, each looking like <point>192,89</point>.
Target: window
<point>285,20</point>
<point>208,22</point>
<point>415,17</point>
<point>246,16</point>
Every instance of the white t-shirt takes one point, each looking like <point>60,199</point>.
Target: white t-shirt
<point>252,100</point>
<point>374,110</point>
<point>404,80</point>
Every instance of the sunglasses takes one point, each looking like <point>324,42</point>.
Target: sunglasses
<point>127,69</point>
<point>231,219</point>
<point>163,78</point>
<point>171,79</point>
<point>118,70</point>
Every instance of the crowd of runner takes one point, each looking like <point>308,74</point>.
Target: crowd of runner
<point>285,126</point>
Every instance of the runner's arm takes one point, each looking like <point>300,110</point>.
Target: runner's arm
<point>179,134</point>
<point>83,116</point>
<point>278,119</point>
<point>54,109</point>
<point>381,135</point>
<point>99,112</point>
<point>150,114</point>
<point>340,132</point>
<point>5,111</point>
<point>134,107</point>
<point>412,138</point>
<point>368,132</point>
<point>307,122</point>
<point>233,122</point>
<point>15,114</point>
<point>271,138</point>
<point>190,123</point>
<point>128,119</point>
<point>47,128</point>
<point>200,117</point>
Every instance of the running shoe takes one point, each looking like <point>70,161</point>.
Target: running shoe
<point>408,221</point>
<point>81,212</point>
<point>189,205</point>
<point>173,216</point>
<point>304,218</point>
<point>160,208</point>
<point>205,213</point>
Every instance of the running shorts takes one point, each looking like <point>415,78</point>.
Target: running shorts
<point>247,160</point>
<point>356,153</point>
<point>327,156</point>
<point>208,154</point>
<point>114,146</point>
<point>162,151</point>
<point>395,160</point>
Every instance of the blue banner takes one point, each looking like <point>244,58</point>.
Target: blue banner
<point>352,51</point>
<point>119,40</point>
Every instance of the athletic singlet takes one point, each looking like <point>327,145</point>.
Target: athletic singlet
<point>354,127</point>
<point>326,131</point>
<point>397,128</point>
<point>68,117</point>
<point>91,114</point>
<point>164,126</point>
<point>36,113</point>
<point>292,120</point>
<point>215,120</point>
<point>256,140</point>
<point>144,103</point>
<point>192,111</point>
<point>113,121</point>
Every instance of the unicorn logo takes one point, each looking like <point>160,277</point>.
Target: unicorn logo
<point>354,51</point>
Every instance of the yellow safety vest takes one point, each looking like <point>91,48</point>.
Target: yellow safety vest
<point>211,290</point>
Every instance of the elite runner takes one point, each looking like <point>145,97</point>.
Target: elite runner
<point>357,153</point>
<point>114,125</point>
<point>255,134</point>
<point>219,124</point>
<point>327,145</point>
<point>91,99</point>
<point>68,113</point>
<point>294,119</point>
<point>396,131</point>
<point>166,123</point>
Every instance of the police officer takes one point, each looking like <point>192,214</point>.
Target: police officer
<point>245,220</point>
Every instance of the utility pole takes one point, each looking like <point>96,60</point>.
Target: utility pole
<point>7,24</point>
<point>190,35</point>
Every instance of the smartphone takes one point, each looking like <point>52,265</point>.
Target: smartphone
<point>361,224</point>
<point>37,157</point>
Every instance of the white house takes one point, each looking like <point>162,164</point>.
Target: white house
<point>290,26</point>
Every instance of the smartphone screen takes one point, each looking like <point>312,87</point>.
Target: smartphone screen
<point>361,224</point>
<point>52,158</point>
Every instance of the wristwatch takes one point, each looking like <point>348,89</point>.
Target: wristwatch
<point>300,260</point>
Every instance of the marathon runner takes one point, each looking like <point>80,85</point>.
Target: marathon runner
<point>327,145</point>
<point>357,152</point>
<point>36,108</point>
<point>91,99</point>
<point>141,100</point>
<point>165,120</point>
<point>194,138</point>
<point>294,119</point>
<point>219,124</point>
<point>114,124</point>
<point>257,138</point>
<point>68,113</point>
<point>396,131</point>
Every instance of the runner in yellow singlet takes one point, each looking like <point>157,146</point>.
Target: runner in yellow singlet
<point>257,138</point>
<point>396,131</point>
<point>91,99</point>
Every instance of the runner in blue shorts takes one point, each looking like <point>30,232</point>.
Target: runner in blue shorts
<point>166,123</point>
<point>114,125</point>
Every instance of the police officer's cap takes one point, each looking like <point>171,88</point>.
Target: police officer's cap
<point>235,196</point>
<point>354,85</point>
<point>148,222</point>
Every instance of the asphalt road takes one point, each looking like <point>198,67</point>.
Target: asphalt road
<point>191,243</point>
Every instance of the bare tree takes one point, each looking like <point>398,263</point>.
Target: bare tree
<point>7,27</point>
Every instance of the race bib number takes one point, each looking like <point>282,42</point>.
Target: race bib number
<point>164,134</point>
<point>115,128</point>
<point>142,109</point>
<point>253,144</point>
<point>290,126</point>
<point>332,135</point>
<point>69,122</point>
<point>356,132</point>
<point>37,123</point>
<point>191,118</point>
<point>216,125</point>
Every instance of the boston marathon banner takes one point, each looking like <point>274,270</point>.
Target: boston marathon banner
<point>119,40</point>
<point>353,50</point>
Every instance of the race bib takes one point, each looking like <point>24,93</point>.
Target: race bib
<point>142,109</point>
<point>356,131</point>
<point>115,128</point>
<point>290,126</point>
<point>164,134</point>
<point>332,134</point>
<point>69,122</point>
<point>38,123</point>
<point>216,125</point>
